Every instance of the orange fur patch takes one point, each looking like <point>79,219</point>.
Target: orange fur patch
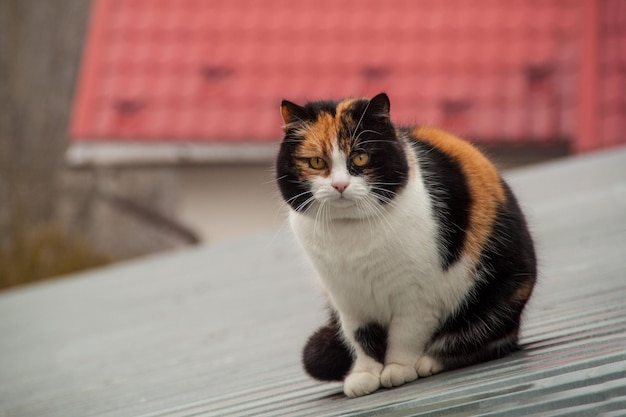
<point>343,105</point>
<point>482,179</point>
<point>320,136</point>
<point>286,114</point>
<point>318,142</point>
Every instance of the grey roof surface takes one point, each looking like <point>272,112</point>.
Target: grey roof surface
<point>218,330</point>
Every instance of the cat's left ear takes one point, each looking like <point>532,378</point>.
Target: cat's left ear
<point>292,113</point>
<point>379,106</point>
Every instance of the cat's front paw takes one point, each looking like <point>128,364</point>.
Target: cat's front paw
<point>358,384</point>
<point>427,366</point>
<point>395,374</point>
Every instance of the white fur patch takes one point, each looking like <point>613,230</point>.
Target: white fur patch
<point>427,366</point>
<point>380,263</point>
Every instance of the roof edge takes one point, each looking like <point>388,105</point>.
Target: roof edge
<point>112,153</point>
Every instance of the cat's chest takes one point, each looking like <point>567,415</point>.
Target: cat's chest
<point>371,252</point>
<point>352,248</point>
<point>366,268</point>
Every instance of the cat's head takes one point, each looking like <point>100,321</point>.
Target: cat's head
<point>340,156</point>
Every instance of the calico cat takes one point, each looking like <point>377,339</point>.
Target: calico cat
<point>420,245</point>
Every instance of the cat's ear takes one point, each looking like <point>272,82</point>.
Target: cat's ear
<point>379,106</point>
<point>292,113</point>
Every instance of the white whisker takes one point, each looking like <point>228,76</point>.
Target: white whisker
<point>297,196</point>
<point>366,131</point>
<point>359,123</point>
<point>304,205</point>
<point>275,180</point>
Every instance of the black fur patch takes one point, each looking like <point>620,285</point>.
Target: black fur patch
<point>446,184</point>
<point>325,356</point>
<point>314,108</point>
<point>487,325</point>
<point>295,192</point>
<point>373,340</point>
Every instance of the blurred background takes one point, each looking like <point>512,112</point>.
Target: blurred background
<point>129,127</point>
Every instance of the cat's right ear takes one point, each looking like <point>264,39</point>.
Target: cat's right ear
<point>292,113</point>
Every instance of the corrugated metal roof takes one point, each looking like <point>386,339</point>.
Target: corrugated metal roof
<point>210,71</point>
<point>218,331</point>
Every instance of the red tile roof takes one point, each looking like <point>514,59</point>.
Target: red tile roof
<point>216,70</point>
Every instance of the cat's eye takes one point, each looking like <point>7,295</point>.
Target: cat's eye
<point>317,163</point>
<point>360,159</point>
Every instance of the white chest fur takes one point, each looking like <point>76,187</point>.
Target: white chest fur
<point>377,267</point>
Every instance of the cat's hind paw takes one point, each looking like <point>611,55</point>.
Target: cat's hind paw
<point>427,366</point>
<point>395,374</point>
<point>358,384</point>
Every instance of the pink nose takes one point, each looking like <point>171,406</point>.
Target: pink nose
<point>340,186</point>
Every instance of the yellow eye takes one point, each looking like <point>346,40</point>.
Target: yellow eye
<point>317,163</point>
<point>360,159</point>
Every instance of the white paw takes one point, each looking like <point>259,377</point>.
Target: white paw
<point>358,384</point>
<point>427,366</point>
<point>395,374</point>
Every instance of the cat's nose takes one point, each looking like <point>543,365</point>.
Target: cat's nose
<point>340,186</point>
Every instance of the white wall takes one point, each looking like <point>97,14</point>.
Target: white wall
<point>223,202</point>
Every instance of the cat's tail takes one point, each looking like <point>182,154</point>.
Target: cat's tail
<point>326,357</point>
